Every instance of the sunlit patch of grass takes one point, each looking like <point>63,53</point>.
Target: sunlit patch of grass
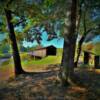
<point>28,64</point>
<point>1,55</point>
<point>59,51</point>
<point>29,61</point>
<point>41,64</point>
<point>45,61</point>
<point>5,63</point>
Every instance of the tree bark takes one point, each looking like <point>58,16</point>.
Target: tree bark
<point>97,62</point>
<point>79,50</point>
<point>16,56</point>
<point>67,68</point>
<point>86,54</point>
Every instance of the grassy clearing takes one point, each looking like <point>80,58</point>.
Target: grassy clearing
<point>27,60</point>
<point>29,64</point>
<point>44,61</point>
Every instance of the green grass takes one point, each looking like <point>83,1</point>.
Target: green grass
<point>2,55</point>
<point>6,62</point>
<point>59,52</point>
<point>28,64</point>
<point>44,61</point>
<point>96,49</point>
<point>28,61</point>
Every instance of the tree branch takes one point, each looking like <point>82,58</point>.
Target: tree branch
<point>9,2</point>
<point>19,22</point>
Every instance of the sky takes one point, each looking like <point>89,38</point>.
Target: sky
<point>57,42</point>
<point>96,39</point>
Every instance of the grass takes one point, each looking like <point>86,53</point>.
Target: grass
<point>2,55</point>
<point>29,64</point>
<point>44,61</point>
<point>27,60</point>
<point>46,84</point>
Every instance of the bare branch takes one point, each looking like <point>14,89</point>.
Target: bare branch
<point>19,22</point>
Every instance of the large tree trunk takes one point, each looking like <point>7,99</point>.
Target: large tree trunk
<point>16,56</point>
<point>67,68</point>
<point>97,62</point>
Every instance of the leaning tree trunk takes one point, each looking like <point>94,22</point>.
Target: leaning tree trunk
<point>79,50</point>
<point>16,56</point>
<point>67,68</point>
<point>86,54</point>
<point>97,62</point>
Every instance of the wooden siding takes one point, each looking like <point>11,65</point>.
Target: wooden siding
<point>40,53</point>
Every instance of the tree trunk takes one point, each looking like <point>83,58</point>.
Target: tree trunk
<point>97,62</point>
<point>67,68</point>
<point>80,47</point>
<point>79,50</point>
<point>77,27</point>
<point>86,54</point>
<point>16,56</point>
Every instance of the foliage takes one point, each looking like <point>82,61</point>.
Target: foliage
<point>4,48</point>
<point>91,9</point>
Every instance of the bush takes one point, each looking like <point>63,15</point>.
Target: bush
<point>4,48</point>
<point>25,56</point>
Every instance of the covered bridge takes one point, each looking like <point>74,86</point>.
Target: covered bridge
<point>41,52</point>
<point>93,47</point>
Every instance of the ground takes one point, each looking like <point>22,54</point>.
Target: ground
<point>28,64</point>
<point>44,85</point>
<point>41,81</point>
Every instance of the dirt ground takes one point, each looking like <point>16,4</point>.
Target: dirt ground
<point>44,85</point>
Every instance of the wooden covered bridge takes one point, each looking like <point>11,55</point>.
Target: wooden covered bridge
<point>41,52</point>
